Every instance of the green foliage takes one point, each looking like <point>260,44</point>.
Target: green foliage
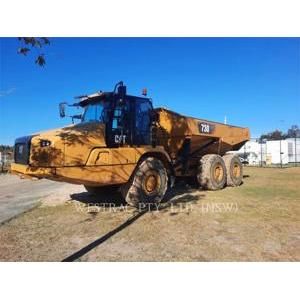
<point>34,43</point>
<point>6,148</point>
<point>294,131</point>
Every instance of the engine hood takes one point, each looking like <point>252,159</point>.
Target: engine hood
<point>67,146</point>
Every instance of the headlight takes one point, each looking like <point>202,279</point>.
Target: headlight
<point>45,143</point>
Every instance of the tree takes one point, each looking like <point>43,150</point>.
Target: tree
<point>36,43</point>
<point>273,135</point>
<point>293,132</point>
<point>6,148</point>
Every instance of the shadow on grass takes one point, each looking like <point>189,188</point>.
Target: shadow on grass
<point>106,197</point>
<point>176,197</point>
<point>114,197</point>
<point>103,238</point>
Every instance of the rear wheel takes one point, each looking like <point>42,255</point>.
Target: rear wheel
<point>234,168</point>
<point>212,172</point>
<point>148,184</point>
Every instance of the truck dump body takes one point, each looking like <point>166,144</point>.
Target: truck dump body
<point>175,131</point>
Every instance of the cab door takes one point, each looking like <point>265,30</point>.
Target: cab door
<point>142,123</point>
<point>119,131</point>
<point>130,122</point>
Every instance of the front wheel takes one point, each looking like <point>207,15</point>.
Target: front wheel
<point>148,184</point>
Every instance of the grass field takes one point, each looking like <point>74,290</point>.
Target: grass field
<point>258,221</point>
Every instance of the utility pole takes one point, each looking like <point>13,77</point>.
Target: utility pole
<point>266,152</point>
<point>280,153</point>
<point>280,148</point>
<point>261,155</point>
<point>295,150</point>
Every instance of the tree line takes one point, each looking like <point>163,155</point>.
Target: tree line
<point>6,148</point>
<point>293,132</point>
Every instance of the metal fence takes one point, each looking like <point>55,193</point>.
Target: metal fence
<point>271,153</point>
<point>5,160</point>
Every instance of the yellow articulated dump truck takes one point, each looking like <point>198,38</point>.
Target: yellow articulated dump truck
<point>122,142</point>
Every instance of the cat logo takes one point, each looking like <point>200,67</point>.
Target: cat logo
<point>120,139</point>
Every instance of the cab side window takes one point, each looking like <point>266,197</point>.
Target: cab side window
<point>120,116</point>
<point>142,122</point>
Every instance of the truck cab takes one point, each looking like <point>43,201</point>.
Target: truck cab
<point>127,118</point>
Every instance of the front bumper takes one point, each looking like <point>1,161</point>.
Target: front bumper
<point>27,171</point>
<point>88,175</point>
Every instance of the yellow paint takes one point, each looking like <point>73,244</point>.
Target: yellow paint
<point>78,153</point>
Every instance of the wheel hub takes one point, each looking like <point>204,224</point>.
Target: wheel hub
<point>151,182</point>
<point>236,170</point>
<point>218,172</point>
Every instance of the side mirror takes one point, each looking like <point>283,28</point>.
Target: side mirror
<point>62,108</point>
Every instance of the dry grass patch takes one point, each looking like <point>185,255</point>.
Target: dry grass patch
<point>258,221</point>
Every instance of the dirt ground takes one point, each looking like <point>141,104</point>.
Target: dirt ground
<point>258,221</point>
<point>18,196</point>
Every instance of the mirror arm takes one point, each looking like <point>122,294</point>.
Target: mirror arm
<point>63,113</point>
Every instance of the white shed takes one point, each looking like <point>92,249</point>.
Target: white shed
<point>293,150</point>
<point>277,151</point>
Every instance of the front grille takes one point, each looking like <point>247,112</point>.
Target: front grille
<point>22,150</point>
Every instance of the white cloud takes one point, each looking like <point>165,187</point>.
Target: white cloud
<point>7,92</point>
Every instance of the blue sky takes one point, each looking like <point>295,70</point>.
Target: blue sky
<point>255,82</point>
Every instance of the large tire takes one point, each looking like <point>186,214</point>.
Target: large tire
<point>96,190</point>
<point>234,168</point>
<point>212,172</point>
<point>148,184</point>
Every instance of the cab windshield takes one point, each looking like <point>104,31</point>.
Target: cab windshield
<point>96,112</point>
